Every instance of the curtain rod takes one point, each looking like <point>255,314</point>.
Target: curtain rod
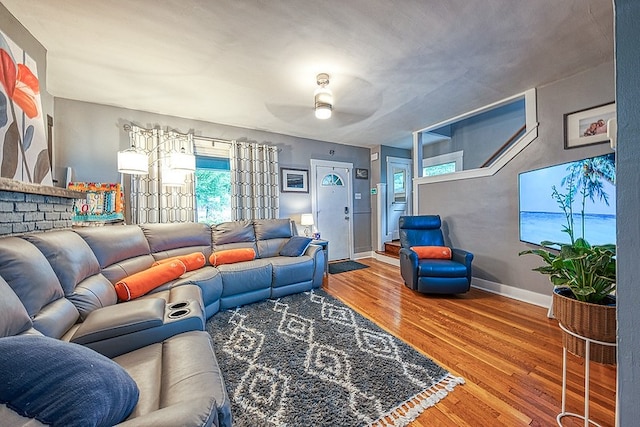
<point>128,127</point>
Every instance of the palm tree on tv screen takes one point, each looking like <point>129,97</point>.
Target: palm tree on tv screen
<point>586,178</point>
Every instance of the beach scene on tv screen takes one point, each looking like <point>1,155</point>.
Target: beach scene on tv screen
<point>541,216</point>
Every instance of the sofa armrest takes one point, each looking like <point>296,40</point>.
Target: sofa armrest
<point>189,413</point>
<point>317,254</point>
<point>128,326</point>
<point>409,267</point>
<point>120,319</point>
<point>463,257</point>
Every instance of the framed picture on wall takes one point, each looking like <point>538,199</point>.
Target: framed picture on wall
<point>362,173</point>
<point>294,180</point>
<point>586,127</point>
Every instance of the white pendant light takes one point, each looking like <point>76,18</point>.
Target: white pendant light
<point>182,162</point>
<point>133,162</point>
<point>172,177</point>
<point>323,97</point>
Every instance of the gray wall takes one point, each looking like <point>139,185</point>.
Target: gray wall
<point>627,15</point>
<point>481,214</point>
<point>87,137</point>
<point>480,136</point>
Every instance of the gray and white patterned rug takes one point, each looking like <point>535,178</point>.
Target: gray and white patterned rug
<point>309,360</point>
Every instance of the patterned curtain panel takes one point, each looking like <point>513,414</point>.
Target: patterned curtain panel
<point>254,181</point>
<point>162,195</point>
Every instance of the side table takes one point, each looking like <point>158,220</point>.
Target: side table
<point>587,362</point>
<point>325,248</point>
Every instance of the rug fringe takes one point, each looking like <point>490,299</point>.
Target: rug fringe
<point>408,411</point>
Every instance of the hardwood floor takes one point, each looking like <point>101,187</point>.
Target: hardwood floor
<point>508,352</point>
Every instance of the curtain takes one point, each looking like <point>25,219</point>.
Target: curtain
<point>161,196</point>
<point>254,181</point>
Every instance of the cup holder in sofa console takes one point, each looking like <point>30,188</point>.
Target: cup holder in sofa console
<point>176,314</point>
<point>178,305</point>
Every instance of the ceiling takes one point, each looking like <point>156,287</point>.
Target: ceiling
<point>395,67</point>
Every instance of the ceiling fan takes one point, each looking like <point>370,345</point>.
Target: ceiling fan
<point>355,99</point>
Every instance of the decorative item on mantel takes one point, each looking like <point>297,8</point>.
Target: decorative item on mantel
<point>104,203</point>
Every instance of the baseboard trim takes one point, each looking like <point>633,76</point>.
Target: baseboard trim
<point>512,292</point>
<point>384,258</point>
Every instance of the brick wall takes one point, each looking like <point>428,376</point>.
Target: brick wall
<point>24,212</point>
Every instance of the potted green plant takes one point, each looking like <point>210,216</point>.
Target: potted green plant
<point>583,275</point>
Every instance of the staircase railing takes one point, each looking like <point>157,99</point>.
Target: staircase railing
<point>503,146</point>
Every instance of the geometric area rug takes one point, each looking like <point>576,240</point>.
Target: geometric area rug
<point>309,360</point>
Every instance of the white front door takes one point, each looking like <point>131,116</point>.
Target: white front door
<point>332,206</point>
<point>398,194</point>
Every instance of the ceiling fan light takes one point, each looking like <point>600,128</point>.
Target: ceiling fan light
<point>323,112</point>
<point>323,103</point>
<point>323,97</point>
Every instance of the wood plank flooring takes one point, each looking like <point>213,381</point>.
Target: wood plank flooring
<point>508,352</point>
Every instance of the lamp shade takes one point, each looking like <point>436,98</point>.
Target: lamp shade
<point>306,219</point>
<point>182,162</point>
<point>133,162</point>
<point>172,178</point>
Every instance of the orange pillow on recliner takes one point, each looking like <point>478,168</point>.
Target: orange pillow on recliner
<point>433,252</point>
<point>191,261</point>
<point>140,283</point>
<point>230,256</point>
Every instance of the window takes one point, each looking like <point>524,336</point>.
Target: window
<point>445,163</point>
<point>331,179</point>
<point>399,189</point>
<point>213,190</point>
<point>440,169</point>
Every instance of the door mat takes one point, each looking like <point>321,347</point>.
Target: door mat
<point>344,266</point>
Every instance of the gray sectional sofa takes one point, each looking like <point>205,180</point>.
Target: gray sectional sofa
<point>59,286</point>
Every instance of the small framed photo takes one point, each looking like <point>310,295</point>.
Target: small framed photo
<point>294,180</point>
<point>362,173</point>
<point>586,127</point>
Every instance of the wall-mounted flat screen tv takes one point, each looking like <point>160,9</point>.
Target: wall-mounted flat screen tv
<point>589,185</point>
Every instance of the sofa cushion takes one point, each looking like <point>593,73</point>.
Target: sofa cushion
<point>232,232</point>
<point>433,252</point>
<point>63,384</point>
<point>69,255</point>
<point>29,274</point>
<point>168,236</point>
<point>441,268</point>
<point>180,383</point>
<point>116,243</point>
<point>272,228</point>
<point>140,283</point>
<point>231,256</point>
<point>13,316</point>
<point>92,293</point>
<point>295,246</point>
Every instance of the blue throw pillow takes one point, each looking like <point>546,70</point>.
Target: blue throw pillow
<point>63,384</point>
<point>295,246</point>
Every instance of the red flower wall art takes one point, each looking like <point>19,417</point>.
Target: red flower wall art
<point>24,155</point>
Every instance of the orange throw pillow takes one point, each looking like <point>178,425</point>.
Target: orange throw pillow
<point>229,256</point>
<point>140,283</point>
<point>192,261</point>
<point>433,252</point>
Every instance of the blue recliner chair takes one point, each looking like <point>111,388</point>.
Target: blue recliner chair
<point>437,276</point>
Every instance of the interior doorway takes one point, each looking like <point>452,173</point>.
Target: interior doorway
<point>332,205</point>
<point>398,193</point>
